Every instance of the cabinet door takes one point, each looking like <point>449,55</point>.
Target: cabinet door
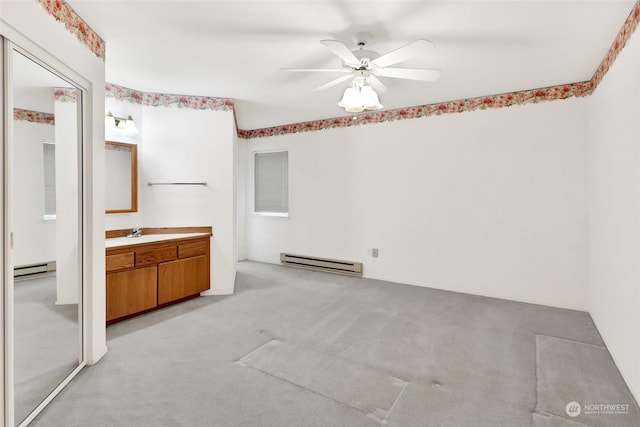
<point>182,278</point>
<point>130,292</point>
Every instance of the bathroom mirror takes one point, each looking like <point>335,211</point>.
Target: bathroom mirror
<point>45,210</point>
<point>121,164</point>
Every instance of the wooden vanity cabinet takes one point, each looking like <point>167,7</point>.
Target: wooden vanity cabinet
<point>131,291</point>
<point>143,277</point>
<point>179,279</point>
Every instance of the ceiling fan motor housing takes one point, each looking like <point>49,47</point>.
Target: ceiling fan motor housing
<point>366,55</point>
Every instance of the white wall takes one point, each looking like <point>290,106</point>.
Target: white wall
<point>488,202</point>
<point>614,205</point>
<point>34,238</point>
<point>185,145</point>
<point>68,247</point>
<point>33,98</point>
<point>124,109</point>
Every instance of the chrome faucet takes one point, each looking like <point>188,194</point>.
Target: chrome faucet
<point>136,232</point>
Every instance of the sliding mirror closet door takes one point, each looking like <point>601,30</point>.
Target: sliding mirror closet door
<point>45,208</point>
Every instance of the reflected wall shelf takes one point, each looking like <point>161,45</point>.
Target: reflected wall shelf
<point>151,184</point>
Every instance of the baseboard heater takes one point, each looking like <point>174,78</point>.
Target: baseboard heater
<point>34,270</point>
<point>350,268</point>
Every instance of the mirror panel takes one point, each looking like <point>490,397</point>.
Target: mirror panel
<point>46,216</point>
<point>121,164</point>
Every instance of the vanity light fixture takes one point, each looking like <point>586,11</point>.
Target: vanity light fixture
<point>122,123</point>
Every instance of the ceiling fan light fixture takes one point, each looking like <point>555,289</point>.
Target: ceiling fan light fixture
<point>357,98</point>
<point>350,98</point>
<point>365,66</point>
<point>354,109</point>
<point>369,98</point>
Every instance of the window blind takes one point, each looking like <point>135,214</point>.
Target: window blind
<point>271,182</point>
<point>49,156</point>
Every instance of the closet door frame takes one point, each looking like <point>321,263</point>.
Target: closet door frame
<point>5,377</point>
<point>11,40</point>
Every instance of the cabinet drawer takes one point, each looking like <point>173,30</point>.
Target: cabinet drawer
<point>188,250</point>
<point>155,256</point>
<point>119,261</point>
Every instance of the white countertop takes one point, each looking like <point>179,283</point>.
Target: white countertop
<point>148,238</point>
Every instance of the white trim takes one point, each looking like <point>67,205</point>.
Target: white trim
<point>8,244</point>
<point>276,214</point>
<point>3,242</point>
<point>271,150</point>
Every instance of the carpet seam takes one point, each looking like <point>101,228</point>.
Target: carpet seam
<point>306,389</point>
<point>404,387</point>
<point>570,340</point>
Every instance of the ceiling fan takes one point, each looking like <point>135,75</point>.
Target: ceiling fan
<point>363,67</point>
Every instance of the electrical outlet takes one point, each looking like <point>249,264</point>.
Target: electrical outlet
<point>374,252</point>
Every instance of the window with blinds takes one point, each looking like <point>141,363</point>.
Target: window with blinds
<point>49,157</point>
<point>271,183</point>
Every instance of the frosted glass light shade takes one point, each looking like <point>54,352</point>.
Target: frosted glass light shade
<point>369,98</point>
<point>359,98</point>
<point>350,98</point>
<point>109,121</point>
<point>130,125</point>
<point>354,108</point>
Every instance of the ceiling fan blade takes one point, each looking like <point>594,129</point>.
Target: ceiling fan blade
<point>377,84</point>
<point>314,70</point>
<point>341,51</point>
<point>426,75</point>
<point>411,50</point>
<point>332,83</point>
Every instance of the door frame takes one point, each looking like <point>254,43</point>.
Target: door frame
<point>18,43</point>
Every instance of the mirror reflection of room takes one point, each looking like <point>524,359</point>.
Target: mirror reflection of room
<point>47,232</point>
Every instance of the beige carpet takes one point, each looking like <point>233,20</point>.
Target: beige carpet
<point>300,348</point>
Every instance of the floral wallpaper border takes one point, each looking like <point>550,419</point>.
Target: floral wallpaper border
<point>619,43</point>
<point>33,116</point>
<point>62,12</point>
<point>480,103</point>
<point>167,100</point>
<point>552,93</point>
<point>61,94</point>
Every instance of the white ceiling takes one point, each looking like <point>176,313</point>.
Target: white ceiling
<point>236,48</point>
